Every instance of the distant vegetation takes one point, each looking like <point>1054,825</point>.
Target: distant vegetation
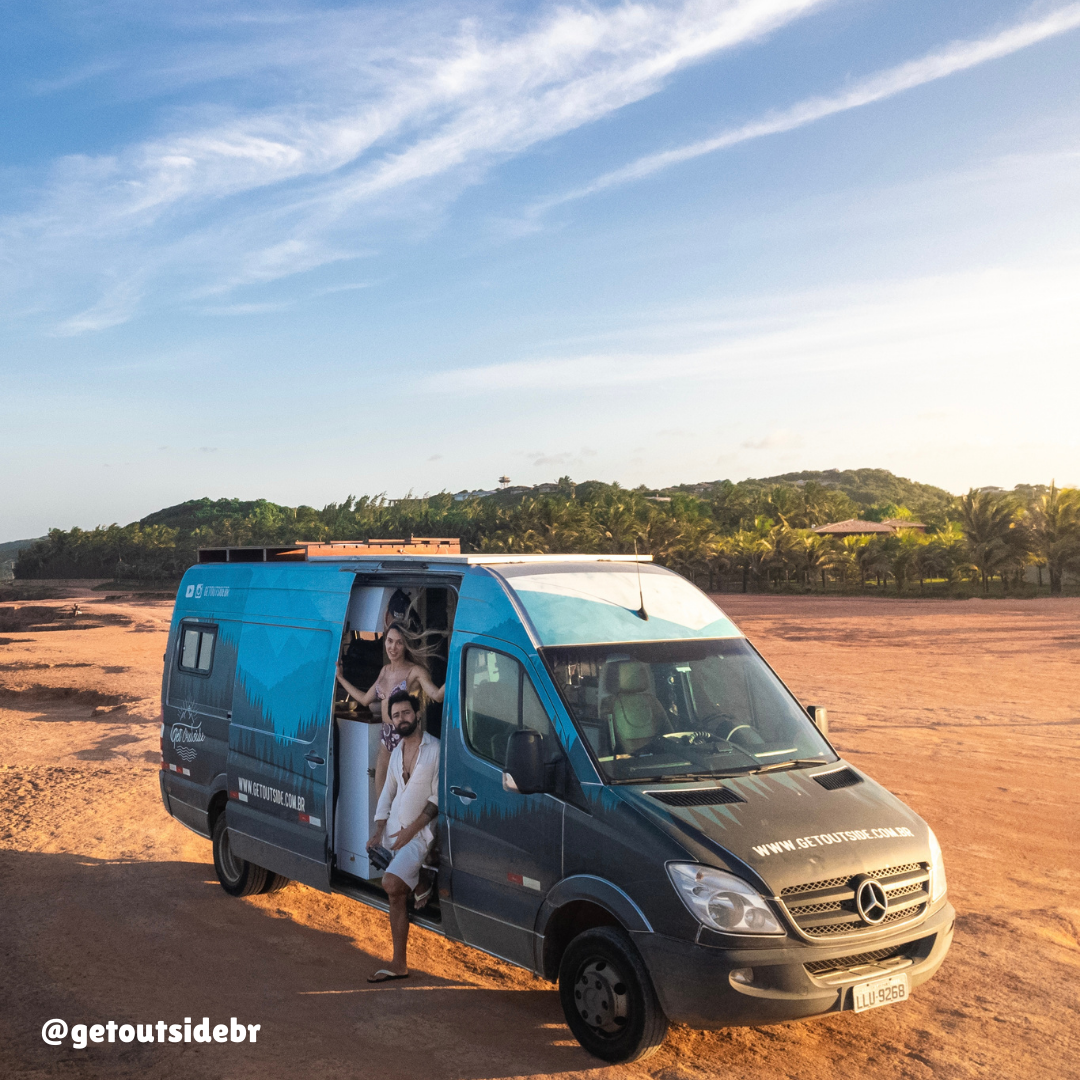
<point>9,553</point>
<point>757,534</point>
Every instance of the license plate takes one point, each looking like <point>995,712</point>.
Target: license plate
<point>886,991</point>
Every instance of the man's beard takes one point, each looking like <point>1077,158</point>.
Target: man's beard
<point>406,729</point>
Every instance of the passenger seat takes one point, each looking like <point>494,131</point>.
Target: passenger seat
<point>635,714</point>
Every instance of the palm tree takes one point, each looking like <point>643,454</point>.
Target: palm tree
<point>618,516</point>
<point>1054,519</point>
<point>862,554</point>
<point>723,559</point>
<point>932,560</point>
<point>813,554</point>
<point>992,533</point>
<point>847,558</point>
<point>905,551</point>
<point>753,550</point>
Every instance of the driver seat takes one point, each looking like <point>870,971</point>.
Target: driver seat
<point>635,714</point>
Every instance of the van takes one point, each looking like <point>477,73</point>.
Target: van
<point>632,804</point>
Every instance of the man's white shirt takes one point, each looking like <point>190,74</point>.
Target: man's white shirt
<point>400,804</point>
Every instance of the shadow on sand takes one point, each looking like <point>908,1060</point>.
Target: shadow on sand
<point>88,940</point>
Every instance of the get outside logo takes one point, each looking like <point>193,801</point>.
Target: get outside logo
<point>183,736</point>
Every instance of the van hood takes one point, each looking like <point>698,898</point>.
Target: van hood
<point>789,828</point>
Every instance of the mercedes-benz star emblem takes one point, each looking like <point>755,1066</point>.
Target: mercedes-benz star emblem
<point>871,901</point>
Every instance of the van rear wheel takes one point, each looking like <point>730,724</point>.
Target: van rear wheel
<point>238,877</point>
<point>275,882</point>
<point>608,998</point>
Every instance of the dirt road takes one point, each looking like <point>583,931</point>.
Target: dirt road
<point>970,711</point>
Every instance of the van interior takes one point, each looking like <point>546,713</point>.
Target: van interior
<point>426,612</point>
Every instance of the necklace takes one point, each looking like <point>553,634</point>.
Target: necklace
<point>406,770</point>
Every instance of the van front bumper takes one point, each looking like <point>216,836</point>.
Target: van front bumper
<point>695,986</point>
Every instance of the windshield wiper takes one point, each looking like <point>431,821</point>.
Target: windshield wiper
<point>681,778</point>
<point>792,763</point>
<point>727,774</point>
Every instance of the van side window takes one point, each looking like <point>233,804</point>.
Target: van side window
<point>197,648</point>
<point>499,699</point>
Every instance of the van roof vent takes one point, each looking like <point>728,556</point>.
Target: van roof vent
<point>697,797</point>
<point>838,778</point>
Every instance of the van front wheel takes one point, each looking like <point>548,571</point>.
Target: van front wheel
<point>238,877</point>
<point>608,998</point>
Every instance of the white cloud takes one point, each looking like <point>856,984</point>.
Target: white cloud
<point>781,439</point>
<point>267,308</point>
<point>563,459</point>
<point>959,56</point>
<point>398,115</point>
<point>990,323</point>
<point>114,308</point>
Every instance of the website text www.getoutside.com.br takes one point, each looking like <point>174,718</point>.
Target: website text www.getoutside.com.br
<point>56,1031</point>
<point>778,847</point>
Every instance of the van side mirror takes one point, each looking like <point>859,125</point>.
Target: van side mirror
<point>525,770</point>
<point>820,717</point>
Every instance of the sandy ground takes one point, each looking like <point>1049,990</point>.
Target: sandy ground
<point>110,910</point>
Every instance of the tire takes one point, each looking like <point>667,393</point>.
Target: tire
<point>275,882</point>
<point>608,998</point>
<point>237,876</point>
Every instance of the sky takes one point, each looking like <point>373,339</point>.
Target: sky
<point>298,250</point>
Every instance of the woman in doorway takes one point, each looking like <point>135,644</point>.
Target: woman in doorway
<point>402,671</point>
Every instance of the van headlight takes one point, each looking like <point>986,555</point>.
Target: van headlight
<point>937,870</point>
<point>723,901</point>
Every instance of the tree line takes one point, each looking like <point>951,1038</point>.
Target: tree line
<point>734,536</point>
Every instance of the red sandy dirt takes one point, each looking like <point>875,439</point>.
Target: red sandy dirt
<point>110,910</point>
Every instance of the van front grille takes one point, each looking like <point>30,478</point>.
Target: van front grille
<point>827,908</point>
<point>842,963</point>
<point>906,868</point>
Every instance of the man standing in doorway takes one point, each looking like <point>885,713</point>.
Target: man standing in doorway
<point>408,806</point>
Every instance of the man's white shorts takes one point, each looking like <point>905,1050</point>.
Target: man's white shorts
<point>406,863</point>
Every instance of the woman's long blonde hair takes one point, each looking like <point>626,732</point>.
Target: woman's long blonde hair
<point>417,650</point>
<point>419,647</point>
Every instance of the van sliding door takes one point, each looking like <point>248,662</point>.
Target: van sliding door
<point>279,750</point>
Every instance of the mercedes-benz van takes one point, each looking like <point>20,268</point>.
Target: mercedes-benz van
<point>631,803</point>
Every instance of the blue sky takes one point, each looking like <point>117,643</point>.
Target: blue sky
<point>302,250</point>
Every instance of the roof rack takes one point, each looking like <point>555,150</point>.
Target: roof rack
<point>305,550</point>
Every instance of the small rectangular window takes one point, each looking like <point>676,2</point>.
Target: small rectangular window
<point>197,648</point>
<point>500,699</point>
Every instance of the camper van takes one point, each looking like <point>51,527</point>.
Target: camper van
<point>632,804</point>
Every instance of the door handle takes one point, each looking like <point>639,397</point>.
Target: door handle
<point>466,795</point>
<point>313,760</point>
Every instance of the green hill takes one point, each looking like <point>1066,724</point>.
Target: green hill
<point>196,513</point>
<point>559,516</point>
<point>9,554</point>
<point>870,487</point>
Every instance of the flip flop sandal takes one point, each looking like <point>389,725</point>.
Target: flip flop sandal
<point>421,898</point>
<point>382,975</point>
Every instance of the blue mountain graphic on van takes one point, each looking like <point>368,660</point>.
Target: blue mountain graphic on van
<point>284,677</point>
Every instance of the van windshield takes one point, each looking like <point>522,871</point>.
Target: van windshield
<point>679,710</point>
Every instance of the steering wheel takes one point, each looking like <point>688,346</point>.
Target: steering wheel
<point>691,738</point>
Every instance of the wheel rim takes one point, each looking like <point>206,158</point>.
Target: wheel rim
<point>231,866</point>
<point>601,997</point>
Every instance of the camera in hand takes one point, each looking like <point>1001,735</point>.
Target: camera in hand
<point>380,857</point>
